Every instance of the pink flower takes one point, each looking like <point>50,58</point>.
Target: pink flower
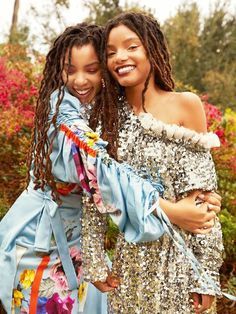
<point>57,273</point>
<point>58,276</point>
<point>60,306</point>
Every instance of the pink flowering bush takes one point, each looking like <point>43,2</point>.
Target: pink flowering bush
<point>17,97</point>
<point>225,160</point>
<point>18,91</point>
<point>225,156</point>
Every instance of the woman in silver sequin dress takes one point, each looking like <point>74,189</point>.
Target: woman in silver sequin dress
<point>162,134</point>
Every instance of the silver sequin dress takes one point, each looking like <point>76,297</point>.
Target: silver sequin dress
<point>156,278</point>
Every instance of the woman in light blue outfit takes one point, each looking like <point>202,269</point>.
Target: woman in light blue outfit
<point>40,255</point>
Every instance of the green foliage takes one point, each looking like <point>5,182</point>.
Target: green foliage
<point>202,53</point>
<point>20,35</point>
<point>182,31</point>
<point>111,237</point>
<point>228,222</point>
<point>217,61</point>
<point>100,11</point>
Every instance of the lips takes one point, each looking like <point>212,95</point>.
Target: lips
<point>83,92</point>
<point>125,69</point>
<point>83,95</point>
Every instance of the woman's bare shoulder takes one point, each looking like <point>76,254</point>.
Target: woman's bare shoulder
<point>191,111</point>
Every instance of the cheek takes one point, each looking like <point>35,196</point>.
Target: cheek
<point>64,77</point>
<point>109,65</point>
<point>97,81</point>
<point>98,87</point>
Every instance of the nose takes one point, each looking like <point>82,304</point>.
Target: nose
<point>121,55</point>
<point>80,79</point>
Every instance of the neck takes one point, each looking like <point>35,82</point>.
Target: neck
<point>134,96</point>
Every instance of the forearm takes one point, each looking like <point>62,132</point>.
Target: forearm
<point>190,217</point>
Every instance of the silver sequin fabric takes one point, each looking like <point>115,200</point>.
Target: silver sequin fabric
<point>156,278</point>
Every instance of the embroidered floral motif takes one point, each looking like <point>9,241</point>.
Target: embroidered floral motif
<point>82,291</point>
<point>66,188</point>
<point>17,297</point>
<point>92,138</point>
<point>57,273</point>
<point>27,278</point>
<point>58,305</point>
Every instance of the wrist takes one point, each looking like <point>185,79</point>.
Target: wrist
<point>170,209</point>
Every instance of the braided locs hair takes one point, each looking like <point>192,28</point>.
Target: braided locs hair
<point>148,30</point>
<point>40,148</point>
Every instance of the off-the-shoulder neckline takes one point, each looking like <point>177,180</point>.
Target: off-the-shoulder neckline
<point>175,132</point>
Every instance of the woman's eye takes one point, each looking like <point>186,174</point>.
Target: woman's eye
<point>69,70</point>
<point>92,70</point>
<point>110,53</point>
<point>133,47</point>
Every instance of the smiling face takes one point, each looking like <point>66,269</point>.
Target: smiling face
<point>126,57</point>
<point>83,76</point>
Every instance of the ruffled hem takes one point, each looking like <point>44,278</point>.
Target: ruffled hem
<point>175,132</point>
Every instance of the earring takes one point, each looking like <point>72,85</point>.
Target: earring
<point>103,83</point>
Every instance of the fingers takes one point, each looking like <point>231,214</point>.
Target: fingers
<point>216,209</point>
<point>196,300</point>
<point>216,195</point>
<point>206,303</point>
<point>201,231</point>
<point>113,281</point>
<point>103,286</point>
<point>213,201</point>
<point>211,197</point>
<point>209,224</point>
<point>205,228</point>
<point>206,215</point>
<point>209,216</point>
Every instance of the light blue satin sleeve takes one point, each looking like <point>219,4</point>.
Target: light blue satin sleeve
<point>133,198</point>
<point>63,165</point>
<point>79,155</point>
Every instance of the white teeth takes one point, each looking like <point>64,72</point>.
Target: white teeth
<point>82,92</point>
<point>125,69</point>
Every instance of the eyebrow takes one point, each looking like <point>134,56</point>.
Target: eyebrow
<point>93,63</point>
<point>127,40</point>
<point>87,65</point>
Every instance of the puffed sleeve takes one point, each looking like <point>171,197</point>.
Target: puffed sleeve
<point>115,188</point>
<point>197,172</point>
<point>80,156</point>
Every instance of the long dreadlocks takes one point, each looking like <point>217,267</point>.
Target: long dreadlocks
<point>148,30</point>
<point>40,149</point>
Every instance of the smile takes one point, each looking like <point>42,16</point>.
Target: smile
<point>125,69</point>
<point>83,92</point>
